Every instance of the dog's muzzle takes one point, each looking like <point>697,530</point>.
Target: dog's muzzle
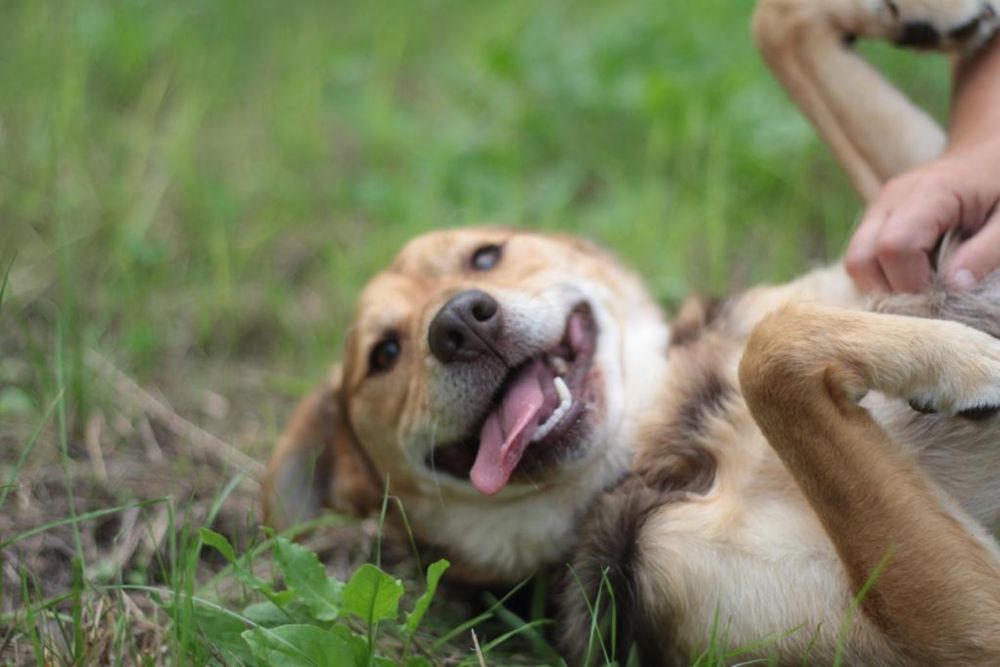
<point>466,328</point>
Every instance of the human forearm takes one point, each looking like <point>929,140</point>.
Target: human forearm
<point>892,248</point>
<point>975,114</point>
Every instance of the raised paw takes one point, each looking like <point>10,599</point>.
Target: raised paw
<point>968,388</point>
<point>947,25</point>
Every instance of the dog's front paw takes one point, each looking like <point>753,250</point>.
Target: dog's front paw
<point>957,25</point>
<point>968,387</point>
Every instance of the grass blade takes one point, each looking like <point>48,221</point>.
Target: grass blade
<point>63,433</point>
<point>471,623</point>
<point>229,488</point>
<point>845,626</point>
<point>79,641</point>
<point>486,648</point>
<point>30,622</point>
<point>28,447</point>
<point>539,645</point>
<point>594,610</point>
<point>6,278</point>
<point>208,604</point>
<point>96,514</point>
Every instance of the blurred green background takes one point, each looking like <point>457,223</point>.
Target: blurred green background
<point>197,189</point>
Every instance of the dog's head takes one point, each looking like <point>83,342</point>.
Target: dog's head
<point>493,376</point>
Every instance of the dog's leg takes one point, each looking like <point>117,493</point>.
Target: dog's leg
<point>804,370</point>
<point>872,128</point>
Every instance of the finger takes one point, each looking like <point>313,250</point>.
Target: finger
<point>860,260</point>
<point>977,257</point>
<point>910,234</point>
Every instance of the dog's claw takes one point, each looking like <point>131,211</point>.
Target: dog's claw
<point>962,26</point>
<point>979,413</point>
<point>922,407</point>
<point>921,34</point>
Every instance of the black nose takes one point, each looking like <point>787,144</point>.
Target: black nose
<point>465,328</point>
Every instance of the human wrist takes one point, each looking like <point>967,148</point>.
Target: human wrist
<point>975,113</point>
<point>977,152</point>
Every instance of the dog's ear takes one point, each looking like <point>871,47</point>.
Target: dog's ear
<point>318,463</point>
<point>695,315</point>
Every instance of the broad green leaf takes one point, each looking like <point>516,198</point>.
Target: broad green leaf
<point>305,575</point>
<point>269,614</point>
<point>372,595</point>
<point>418,661</point>
<point>434,573</point>
<point>223,632</point>
<point>218,542</point>
<point>299,646</point>
<point>356,642</point>
<point>222,545</point>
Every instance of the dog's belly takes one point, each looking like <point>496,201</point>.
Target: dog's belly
<point>752,571</point>
<point>750,565</point>
<point>960,455</point>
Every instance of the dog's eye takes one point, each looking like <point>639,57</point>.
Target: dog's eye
<point>485,257</point>
<point>384,355</point>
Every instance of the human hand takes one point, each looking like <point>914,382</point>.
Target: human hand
<point>891,249</point>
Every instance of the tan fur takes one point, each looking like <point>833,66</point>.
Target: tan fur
<point>738,476</point>
<point>802,374</point>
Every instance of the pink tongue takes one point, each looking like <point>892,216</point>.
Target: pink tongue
<point>508,429</point>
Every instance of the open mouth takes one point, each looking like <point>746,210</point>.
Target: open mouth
<point>535,418</point>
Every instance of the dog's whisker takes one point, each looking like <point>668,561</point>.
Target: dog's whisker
<point>531,480</point>
<point>434,474</point>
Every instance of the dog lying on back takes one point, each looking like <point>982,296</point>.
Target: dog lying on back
<point>735,475</point>
<point>529,404</point>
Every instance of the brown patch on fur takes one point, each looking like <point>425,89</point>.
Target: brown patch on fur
<point>685,468</point>
<point>696,314</point>
<point>680,463</point>
<point>708,395</point>
<point>610,555</point>
<point>608,562</point>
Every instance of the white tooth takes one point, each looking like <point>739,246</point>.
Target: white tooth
<point>565,401</point>
<point>559,365</point>
<point>562,390</point>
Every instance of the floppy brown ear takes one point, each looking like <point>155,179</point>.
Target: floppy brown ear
<point>318,463</point>
<point>692,319</point>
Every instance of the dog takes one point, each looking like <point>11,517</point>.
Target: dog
<point>796,472</point>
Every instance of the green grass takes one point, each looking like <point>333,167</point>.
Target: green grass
<point>195,191</point>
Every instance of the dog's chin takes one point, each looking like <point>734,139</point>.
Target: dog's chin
<point>562,433</point>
